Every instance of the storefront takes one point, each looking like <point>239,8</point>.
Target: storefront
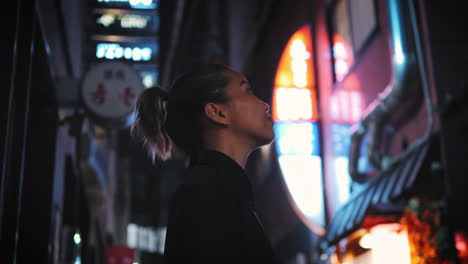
<point>385,181</point>
<point>358,144</point>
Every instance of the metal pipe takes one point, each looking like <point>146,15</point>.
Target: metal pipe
<point>422,71</point>
<point>404,79</point>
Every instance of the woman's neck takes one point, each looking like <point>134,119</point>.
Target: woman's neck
<point>235,151</point>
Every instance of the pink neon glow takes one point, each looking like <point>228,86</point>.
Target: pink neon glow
<point>346,103</point>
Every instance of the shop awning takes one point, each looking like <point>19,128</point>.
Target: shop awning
<point>389,185</point>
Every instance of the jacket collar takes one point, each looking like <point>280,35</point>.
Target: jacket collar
<point>223,162</point>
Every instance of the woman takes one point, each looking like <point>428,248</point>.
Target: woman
<point>212,115</point>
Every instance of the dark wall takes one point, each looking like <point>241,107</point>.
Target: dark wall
<point>202,37</point>
<point>447,36</point>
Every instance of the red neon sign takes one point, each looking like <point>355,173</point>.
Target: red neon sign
<point>346,104</point>
<point>294,96</point>
<point>343,56</point>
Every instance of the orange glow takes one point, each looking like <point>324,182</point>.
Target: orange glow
<point>461,243</point>
<point>343,56</point>
<point>295,73</point>
<point>388,243</point>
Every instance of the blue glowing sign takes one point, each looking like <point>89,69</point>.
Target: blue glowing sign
<point>137,4</point>
<point>130,23</point>
<point>149,78</point>
<point>297,138</point>
<point>341,134</point>
<point>126,51</point>
<point>300,162</point>
<point>341,139</point>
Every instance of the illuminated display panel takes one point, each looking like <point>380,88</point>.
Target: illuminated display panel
<point>126,51</point>
<point>346,103</point>
<point>341,134</point>
<point>297,133</point>
<point>295,81</point>
<point>346,108</point>
<point>297,138</point>
<point>148,72</point>
<point>131,4</point>
<point>125,23</point>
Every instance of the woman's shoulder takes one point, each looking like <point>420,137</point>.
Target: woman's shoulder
<point>204,181</point>
<point>205,176</point>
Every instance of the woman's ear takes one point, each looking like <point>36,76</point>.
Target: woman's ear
<point>217,113</point>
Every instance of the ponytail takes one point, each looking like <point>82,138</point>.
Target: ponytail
<point>150,122</point>
<point>173,121</point>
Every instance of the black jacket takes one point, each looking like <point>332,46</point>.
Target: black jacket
<point>212,216</point>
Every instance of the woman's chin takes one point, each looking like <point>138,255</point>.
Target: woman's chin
<point>268,139</point>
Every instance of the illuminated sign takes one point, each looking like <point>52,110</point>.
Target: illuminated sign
<point>341,139</point>
<point>143,238</point>
<point>149,78</point>
<point>294,97</point>
<point>299,102</point>
<point>136,52</point>
<point>125,23</point>
<point>134,21</point>
<point>110,90</point>
<point>297,134</point>
<point>346,104</point>
<point>137,4</point>
<point>343,57</point>
<point>297,138</point>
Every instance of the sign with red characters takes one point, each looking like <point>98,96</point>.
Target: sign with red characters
<point>120,255</point>
<point>110,90</point>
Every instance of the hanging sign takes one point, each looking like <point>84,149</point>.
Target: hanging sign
<point>110,90</point>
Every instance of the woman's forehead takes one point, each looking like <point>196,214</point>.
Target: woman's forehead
<point>235,76</point>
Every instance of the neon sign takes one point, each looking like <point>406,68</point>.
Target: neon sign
<point>130,52</point>
<point>126,21</point>
<point>341,138</point>
<point>299,102</point>
<point>346,104</point>
<point>297,133</point>
<point>342,55</point>
<point>138,4</point>
<point>297,138</point>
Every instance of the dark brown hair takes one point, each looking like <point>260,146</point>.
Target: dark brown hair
<point>175,117</point>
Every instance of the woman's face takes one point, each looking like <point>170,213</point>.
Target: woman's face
<point>249,116</point>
